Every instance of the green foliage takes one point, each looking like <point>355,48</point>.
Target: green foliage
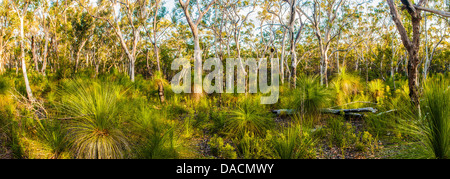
<point>53,134</point>
<point>340,133</point>
<point>346,86</point>
<point>253,147</point>
<point>218,119</point>
<point>220,149</point>
<point>249,117</point>
<point>293,143</point>
<point>9,128</point>
<point>94,127</point>
<point>4,85</point>
<point>157,138</point>
<point>345,136</point>
<point>377,89</point>
<point>309,96</point>
<point>366,142</point>
<point>436,117</point>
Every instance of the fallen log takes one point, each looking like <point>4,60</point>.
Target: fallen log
<point>283,111</point>
<point>357,110</point>
<point>345,112</point>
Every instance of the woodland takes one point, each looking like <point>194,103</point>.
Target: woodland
<point>91,79</point>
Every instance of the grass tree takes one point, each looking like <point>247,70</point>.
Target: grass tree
<point>94,120</point>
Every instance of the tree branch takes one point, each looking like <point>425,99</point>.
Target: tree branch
<point>438,12</point>
<point>401,29</point>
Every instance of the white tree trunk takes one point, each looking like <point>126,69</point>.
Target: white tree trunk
<point>24,66</point>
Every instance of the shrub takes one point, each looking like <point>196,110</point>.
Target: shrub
<point>221,150</point>
<point>367,141</point>
<point>293,143</point>
<point>253,147</point>
<point>340,133</point>
<point>4,85</point>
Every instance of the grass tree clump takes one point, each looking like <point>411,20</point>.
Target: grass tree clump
<point>53,134</point>
<point>94,120</point>
<point>310,96</point>
<point>346,86</point>
<point>248,117</point>
<point>377,89</point>
<point>156,138</point>
<point>436,117</point>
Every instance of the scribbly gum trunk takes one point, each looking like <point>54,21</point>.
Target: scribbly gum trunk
<point>412,80</point>
<point>24,66</point>
<point>413,62</point>
<point>198,69</point>
<point>198,91</point>
<point>411,44</point>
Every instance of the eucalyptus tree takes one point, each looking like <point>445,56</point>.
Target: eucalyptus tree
<point>42,15</point>
<point>436,31</point>
<point>83,26</point>
<point>189,11</point>
<point>233,10</point>
<point>412,45</point>
<point>277,8</point>
<point>294,38</point>
<point>327,19</point>
<point>131,14</point>
<point>238,20</point>
<point>288,23</point>
<point>21,9</point>
<point>156,26</point>
<point>6,34</point>
<point>323,29</point>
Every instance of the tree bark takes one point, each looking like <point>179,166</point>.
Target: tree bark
<point>412,46</point>
<point>282,56</point>
<point>77,58</point>
<point>33,53</point>
<point>161,92</point>
<point>44,59</point>
<point>198,90</point>
<point>292,43</point>
<point>24,66</point>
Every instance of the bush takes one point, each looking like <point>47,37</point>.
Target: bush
<point>253,147</point>
<point>340,133</point>
<point>52,134</point>
<point>4,85</point>
<point>221,150</point>
<point>377,90</point>
<point>293,143</point>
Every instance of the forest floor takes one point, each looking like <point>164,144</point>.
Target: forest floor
<point>5,151</point>
<point>384,149</point>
